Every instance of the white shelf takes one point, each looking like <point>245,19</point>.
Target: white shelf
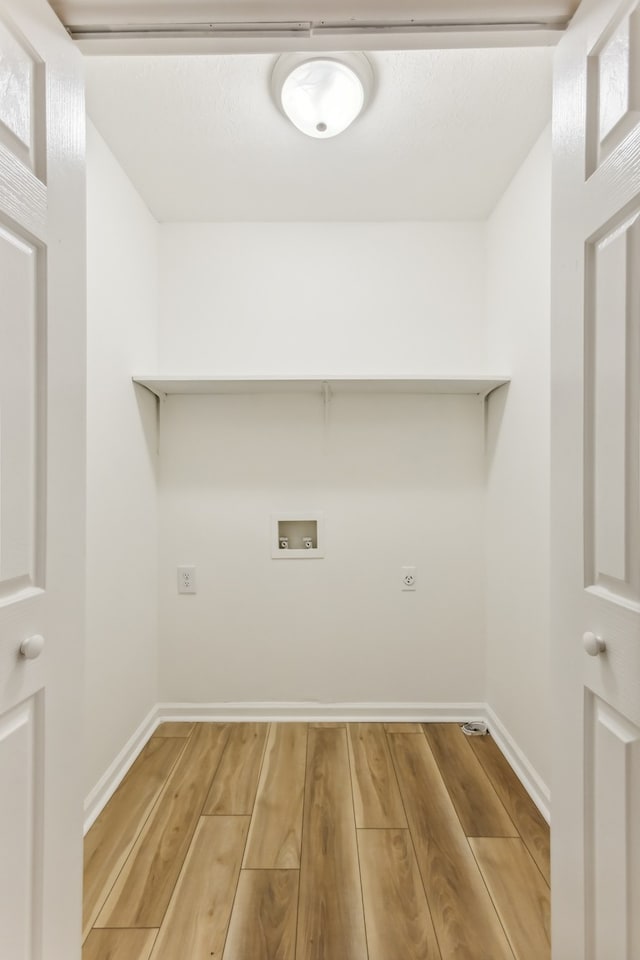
<point>165,384</point>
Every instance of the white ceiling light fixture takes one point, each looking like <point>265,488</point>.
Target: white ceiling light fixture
<point>322,95</point>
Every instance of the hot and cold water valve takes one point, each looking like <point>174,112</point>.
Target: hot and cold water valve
<point>297,535</point>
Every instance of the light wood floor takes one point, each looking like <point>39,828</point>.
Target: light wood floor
<point>299,841</point>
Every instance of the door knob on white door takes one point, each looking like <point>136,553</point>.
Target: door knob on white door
<point>32,647</point>
<point>592,644</point>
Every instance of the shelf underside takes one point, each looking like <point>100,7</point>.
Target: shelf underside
<point>170,384</point>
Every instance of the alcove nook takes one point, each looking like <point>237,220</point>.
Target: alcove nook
<point>358,328</point>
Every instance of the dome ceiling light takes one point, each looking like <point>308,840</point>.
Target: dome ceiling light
<point>322,95</point>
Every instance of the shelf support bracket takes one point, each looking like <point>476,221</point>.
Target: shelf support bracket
<point>160,399</point>
<point>326,400</point>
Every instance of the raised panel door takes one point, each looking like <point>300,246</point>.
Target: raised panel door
<point>42,468</point>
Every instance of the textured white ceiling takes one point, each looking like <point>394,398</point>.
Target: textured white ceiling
<point>202,140</point>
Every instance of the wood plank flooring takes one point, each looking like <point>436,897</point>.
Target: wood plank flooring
<point>397,914</point>
<point>480,811</point>
<point>330,915</point>
<point>375,794</point>
<point>530,823</point>
<point>109,842</point>
<point>464,917</point>
<point>141,894</point>
<point>198,915</point>
<point>292,841</point>
<point>276,824</point>
<point>264,918</point>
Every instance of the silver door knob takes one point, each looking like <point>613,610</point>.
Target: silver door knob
<point>592,644</point>
<point>32,647</point>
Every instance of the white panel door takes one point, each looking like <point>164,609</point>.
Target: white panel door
<point>595,485</point>
<point>42,468</point>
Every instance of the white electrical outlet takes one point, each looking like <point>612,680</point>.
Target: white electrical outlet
<point>187,580</point>
<point>408,578</point>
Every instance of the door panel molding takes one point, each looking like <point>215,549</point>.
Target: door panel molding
<point>21,828</point>
<point>612,832</point>
<point>22,416</point>
<point>612,411</point>
<point>613,85</point>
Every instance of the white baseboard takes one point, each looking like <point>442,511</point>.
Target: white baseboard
<point>314,712</point>
<point>310,712</point>
<point>527,775</point>
<point>116,772</point>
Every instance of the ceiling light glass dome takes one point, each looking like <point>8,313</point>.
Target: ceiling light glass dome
<point>322,96</point>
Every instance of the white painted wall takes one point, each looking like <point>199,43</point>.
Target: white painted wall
<point>122,540</point>
<point>400,480</point>
<point>518,436</point>
<point>322,298</point>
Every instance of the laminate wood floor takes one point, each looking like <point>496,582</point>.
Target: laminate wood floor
<point>317,841</point>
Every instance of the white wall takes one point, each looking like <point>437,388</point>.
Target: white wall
<point>122,541</point>
<point>322,298</point>
<point>518,277</point>
<point>399,479</point>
